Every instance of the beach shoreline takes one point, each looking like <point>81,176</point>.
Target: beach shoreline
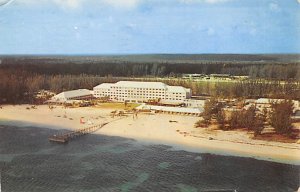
<point>172,130</point>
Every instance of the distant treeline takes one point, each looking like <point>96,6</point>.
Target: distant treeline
<point>21,78</point>
<point>122,68</point>
<point>18,86</point>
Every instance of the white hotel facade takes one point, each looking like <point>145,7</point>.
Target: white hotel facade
<point>134,91</point>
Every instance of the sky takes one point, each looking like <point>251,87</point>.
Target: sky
<point>149,26</point>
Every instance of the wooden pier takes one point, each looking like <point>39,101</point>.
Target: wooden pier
<point>66,137</point>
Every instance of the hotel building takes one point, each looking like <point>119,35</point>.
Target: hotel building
<point>133,91</point>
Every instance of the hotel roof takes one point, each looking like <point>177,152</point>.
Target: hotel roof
<point>104,85</point>
<point>137,84</point>
<point>177,89</point>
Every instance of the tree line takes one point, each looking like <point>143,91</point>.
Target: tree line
<point>54,66</point>
<point>19,86</point>
<point>20,79</point>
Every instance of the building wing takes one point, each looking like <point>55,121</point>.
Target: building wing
<point>73,94</point>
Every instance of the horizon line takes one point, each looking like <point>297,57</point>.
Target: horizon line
<point>133,54</point>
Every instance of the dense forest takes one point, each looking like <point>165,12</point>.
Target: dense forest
<point>118,67</point>
<point>22,77</point>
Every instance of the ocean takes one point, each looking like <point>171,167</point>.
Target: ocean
<point>29,162</point>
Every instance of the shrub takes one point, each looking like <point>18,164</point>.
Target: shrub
<point>280,116</point>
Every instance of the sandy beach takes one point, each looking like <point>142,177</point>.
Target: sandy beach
<point>174,130</point>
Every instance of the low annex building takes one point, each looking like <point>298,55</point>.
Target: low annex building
<point>171,110</point>
<point>135,91</point>
<point>79,94</point>
<point>265,103</point>
<point>194,103</point>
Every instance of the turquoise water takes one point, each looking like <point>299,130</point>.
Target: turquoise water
<point>28,162</point>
